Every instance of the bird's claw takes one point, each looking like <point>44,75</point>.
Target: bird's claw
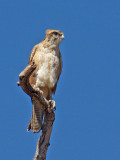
<point>52,106</point>
<point>38,90</point>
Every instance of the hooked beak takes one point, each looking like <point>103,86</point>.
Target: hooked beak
<point>62,37</point>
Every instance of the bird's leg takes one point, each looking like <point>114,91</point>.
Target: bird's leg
<point>51,103</point>
<point>38,90</point>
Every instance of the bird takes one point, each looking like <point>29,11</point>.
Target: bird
<point>47,58</point>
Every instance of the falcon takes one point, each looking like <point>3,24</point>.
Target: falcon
<point>48,61</point>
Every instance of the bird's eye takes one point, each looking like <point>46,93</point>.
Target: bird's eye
<point>55,33</point>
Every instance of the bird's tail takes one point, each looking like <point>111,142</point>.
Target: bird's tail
<point>35,123</point>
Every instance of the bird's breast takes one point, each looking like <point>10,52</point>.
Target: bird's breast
<point>47,70</point>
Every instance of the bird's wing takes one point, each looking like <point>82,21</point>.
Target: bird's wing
<point>32,78</point>
<point>32,54</point>
<point>59,72</point>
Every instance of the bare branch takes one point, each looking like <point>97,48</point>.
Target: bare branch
<point>49,118</point>
<point>44,140</point>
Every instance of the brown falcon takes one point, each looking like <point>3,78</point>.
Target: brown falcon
<point>47,58</point>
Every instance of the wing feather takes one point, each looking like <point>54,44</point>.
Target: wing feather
<point>59,72</point>
<point>32,54</point>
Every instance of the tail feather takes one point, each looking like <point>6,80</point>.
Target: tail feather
<point>35,123</point>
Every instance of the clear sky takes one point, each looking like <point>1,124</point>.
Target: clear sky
<point>87,125</point>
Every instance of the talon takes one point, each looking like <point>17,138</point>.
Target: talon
<point>41,92</point>
<point>38,90</point>
<point>52,104</point>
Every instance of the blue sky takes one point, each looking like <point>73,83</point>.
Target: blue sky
<point>87,125</point>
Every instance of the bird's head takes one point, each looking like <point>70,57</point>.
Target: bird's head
<point>54,36</point>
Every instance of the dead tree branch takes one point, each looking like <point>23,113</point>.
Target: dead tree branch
<point>44,140</point>
<point>49,118</point>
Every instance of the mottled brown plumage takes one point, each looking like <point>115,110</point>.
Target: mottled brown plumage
<point>47,57</point>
